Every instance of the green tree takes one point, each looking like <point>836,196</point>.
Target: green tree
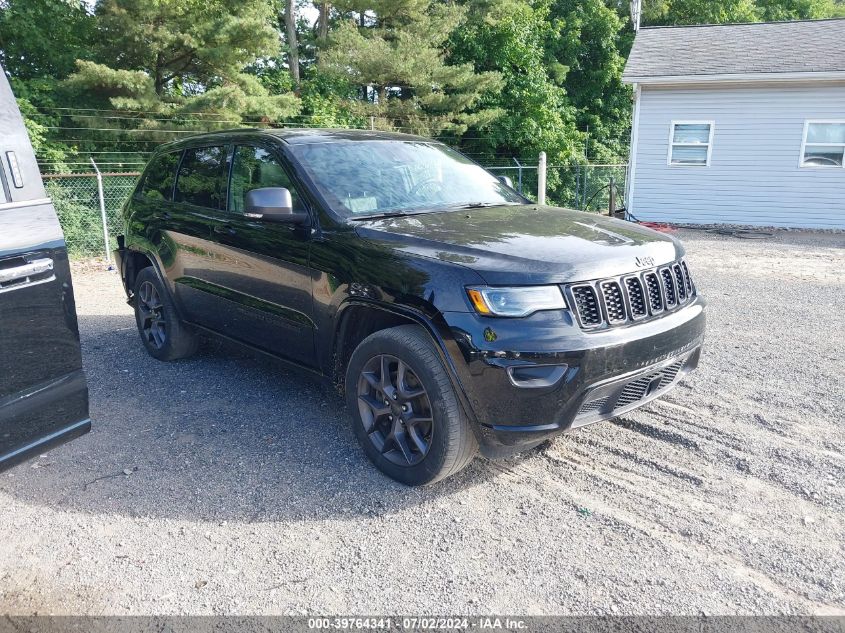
<point>44,38</point>
<point>671,12</point>
<point>508,38</point>
<point>585,49</point>
<point>780,10</point>
<point>538,116</point>
<point>40,41</point>
<point>395,53</point>
<point>183,57</point>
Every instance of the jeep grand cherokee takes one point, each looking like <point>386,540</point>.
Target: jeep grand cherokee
<point>454,314</point>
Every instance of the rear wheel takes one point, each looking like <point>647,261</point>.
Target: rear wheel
<point>163,334</point>
<point>405,412</point>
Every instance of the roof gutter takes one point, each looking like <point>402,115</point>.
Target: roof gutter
<point>665,80</point>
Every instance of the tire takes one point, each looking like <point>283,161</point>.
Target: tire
<point>411,450</point>
<point>163,334</point>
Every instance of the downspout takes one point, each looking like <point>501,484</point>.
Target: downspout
<point>630,182</point>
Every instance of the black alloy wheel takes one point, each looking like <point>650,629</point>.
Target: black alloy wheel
<point>152,318</point>
<point>395,410</point>
<point>164,335</point>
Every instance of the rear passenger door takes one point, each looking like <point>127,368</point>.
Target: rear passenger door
<point>263,265</point>
<point>199,195</point>
<point>43,393</point>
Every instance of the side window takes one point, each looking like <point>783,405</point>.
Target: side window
<point>158,184</point>
<point>202,180</point>
<point>255,168</point>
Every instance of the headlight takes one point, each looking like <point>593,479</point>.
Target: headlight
<point>515,302</point>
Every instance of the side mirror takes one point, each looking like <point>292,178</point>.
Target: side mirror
<point>505,181</point>
<point>273,204</point>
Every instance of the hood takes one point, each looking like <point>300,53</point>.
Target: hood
<point>526,244</point>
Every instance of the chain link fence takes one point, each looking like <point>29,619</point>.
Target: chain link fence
<point>582,187</point>
<point>77,203</point>
<point>76,198</point>
<point>587,187</point>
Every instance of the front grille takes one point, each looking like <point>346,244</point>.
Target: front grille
<point>587,304</point>
<point>669,288</point>
<point>636,297</point>
<point>617,301</point>
<point>680,284</point>
<point>614,302</point>
<point>687,278</point>
<point>637,389</point>
<point>655,296</point>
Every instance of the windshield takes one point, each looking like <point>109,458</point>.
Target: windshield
<point>366,178</point>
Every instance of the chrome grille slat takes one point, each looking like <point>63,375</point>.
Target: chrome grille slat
<point>636,297</point>
<point>669,290</point>
<point>655,293</point>
<point>614,302</point>
<point>619,300</point>
<point>680,285</point>
<point>587,305</point>
<point>687,278</point>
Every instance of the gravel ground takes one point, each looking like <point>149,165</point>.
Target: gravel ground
<point>247,493</point>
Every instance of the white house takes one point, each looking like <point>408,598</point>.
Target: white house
<point>740,124</point>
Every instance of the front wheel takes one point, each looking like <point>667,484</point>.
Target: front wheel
<point>163,334</point>
<point>404,410</point>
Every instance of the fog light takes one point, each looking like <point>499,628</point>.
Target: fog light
<point>536,376</point>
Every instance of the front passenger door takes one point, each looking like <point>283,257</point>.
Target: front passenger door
<point>264,265</point>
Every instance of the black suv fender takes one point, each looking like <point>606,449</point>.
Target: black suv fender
<point>351,329</point>
<point>130,261</point>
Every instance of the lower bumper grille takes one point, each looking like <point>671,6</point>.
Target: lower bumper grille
<point>612,399</point>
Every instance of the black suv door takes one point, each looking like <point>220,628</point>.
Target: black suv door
<point>263,265</point>
<point>43,393</point>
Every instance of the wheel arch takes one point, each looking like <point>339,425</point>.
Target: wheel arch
<point>133,261</point>
<point>357,319</point>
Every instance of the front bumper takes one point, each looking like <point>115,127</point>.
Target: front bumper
<point>526,380</point>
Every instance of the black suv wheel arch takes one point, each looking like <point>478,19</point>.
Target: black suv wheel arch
<point>357,319</point>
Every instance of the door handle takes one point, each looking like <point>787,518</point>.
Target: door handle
<point>21,275</point>
<point>224,229</point>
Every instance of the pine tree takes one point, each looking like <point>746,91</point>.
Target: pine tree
<point>183,56</point>
<point>394,52</point>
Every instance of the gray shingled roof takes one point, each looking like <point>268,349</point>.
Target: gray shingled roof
<point>773,47</point>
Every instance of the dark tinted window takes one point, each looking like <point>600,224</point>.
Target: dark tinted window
<point>158,185</point>
<point>202,180</point>
<point>255,168</point>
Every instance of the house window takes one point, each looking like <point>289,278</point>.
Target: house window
<point>824,144</point>
<point>691,143</point>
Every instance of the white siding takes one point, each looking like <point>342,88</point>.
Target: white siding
<point>753,177</point>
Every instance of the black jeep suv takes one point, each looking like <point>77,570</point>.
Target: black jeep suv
<point>453,313</point>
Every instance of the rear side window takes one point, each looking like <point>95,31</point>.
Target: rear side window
<point>202,179</point>
<point>161,174</point>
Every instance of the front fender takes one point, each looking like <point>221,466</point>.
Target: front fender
<point>435,326</point>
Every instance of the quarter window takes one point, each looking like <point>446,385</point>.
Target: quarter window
<point>161,174</point>
<point>824,144</point>
<point>691,143</point>
<point>255,168</point>
<point>202,180</point>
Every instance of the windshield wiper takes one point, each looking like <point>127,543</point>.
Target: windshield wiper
<point>484,205</point>
<point>380,216</point>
